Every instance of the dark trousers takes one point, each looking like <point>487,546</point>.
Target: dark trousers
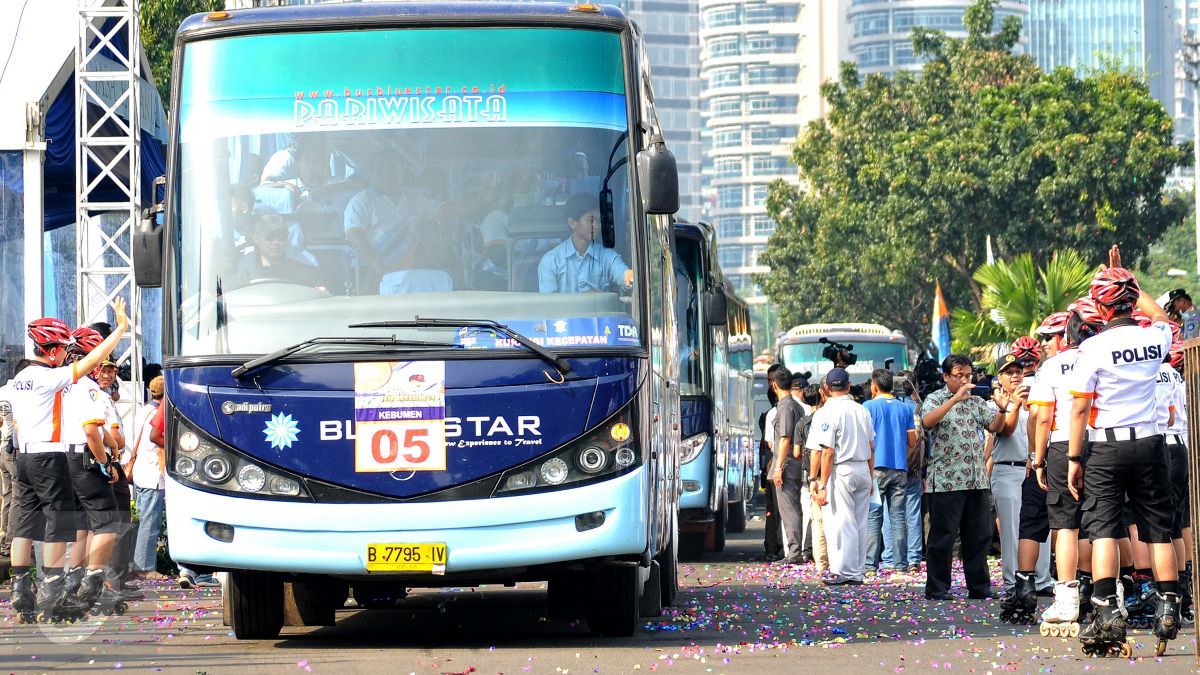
<point>123,551</point>
<point>791,512</point>
<point>965,513</point>
<point>772,536</point>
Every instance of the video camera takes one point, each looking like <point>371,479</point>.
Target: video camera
<point>841,354</point>
<point>928,374</point>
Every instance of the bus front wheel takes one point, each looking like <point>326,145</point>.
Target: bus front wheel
<point>737,517</point>
<point>255,604</point>
<point>613,610</point>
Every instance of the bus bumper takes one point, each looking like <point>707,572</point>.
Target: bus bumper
<point>480,535</point>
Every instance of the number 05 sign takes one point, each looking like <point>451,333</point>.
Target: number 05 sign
<point>400,416</point>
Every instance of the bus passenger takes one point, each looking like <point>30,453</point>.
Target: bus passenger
<point>581,264</point>
<point>269,260</point>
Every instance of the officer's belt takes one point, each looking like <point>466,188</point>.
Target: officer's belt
<point>1124,433</point>
<point>38,447</point>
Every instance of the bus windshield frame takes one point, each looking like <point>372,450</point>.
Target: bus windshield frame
<point>494,237</point>
<point>806,357</point>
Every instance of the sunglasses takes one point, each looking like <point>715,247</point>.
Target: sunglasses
<point>275,235</point>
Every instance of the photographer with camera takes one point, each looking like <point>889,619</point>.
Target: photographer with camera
<point>958,493</point>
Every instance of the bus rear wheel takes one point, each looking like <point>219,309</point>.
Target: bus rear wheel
<point>255,604</point>
<point>737,517</point>
<point>613,607</point>
<point>668,570</point>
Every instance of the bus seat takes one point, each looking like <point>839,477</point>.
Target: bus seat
<point>339,264</point>
<point>524,256</point>
<point>320,227</point>
<point>278,199</point>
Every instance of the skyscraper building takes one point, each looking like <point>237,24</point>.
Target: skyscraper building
<point>1088,34</point>
<point>671,29</point>
<point>881,31</point>
<point>762,64</point>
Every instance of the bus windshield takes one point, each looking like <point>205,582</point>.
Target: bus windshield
<point>688,282</point>
<point>806,357</point>
<point>373,175</point>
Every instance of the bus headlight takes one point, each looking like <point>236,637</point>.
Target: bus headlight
<point>202,461</point>
<point>606,451</point>
<point>690,447</point>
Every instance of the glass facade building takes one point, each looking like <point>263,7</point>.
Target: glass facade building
<point>1087,34</point>
<point>880,31</point>
<point>762,64</point>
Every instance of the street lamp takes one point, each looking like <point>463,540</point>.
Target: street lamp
<point>1189,55</point>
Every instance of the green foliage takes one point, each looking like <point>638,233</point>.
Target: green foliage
<point>1175,249</point>
<point>159,21</point>
<point>905,177</point>
<point>1017,295</point>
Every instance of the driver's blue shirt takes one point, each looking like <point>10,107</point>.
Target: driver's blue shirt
<point>563,270</point>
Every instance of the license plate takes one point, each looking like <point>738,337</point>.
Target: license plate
<point>428,558</point>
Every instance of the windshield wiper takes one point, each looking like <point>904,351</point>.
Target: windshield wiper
<point>267,359</point>
<point>550,357</point>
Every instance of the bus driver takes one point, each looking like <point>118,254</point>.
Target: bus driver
<point>581,264</point>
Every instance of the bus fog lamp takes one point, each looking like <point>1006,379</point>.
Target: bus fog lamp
<point>251,478</point>
<point>592,460</point>
<point>284,486</point>
<point>185,466</point>
<point>189,442</point>
<point>216,468</point>
<point>691,486</point>
<point>619,432</point>
<point>554,471</point>
<point>589,521</point>
<point>219,531</point>
<point>520,481</point>
<point>625,457</point>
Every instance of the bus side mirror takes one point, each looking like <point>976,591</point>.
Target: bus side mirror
<point>148,241</point>
<point>659,178</point>
<point>715,307</point>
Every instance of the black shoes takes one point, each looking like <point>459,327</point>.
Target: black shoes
<point>941,596</point>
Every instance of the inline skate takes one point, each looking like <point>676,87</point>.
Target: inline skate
<point>1139,606</point>
<point>1166,620</point>
<point>23,597</point>
<point>1061,619</point>
<point>1020,606</point>
<point>1105,635</point>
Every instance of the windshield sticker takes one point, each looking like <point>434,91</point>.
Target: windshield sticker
<point>400,416</point>
<point>572,332</point>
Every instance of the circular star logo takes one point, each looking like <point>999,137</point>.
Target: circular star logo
<point>281,431</point>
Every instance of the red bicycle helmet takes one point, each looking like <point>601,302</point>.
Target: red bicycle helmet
<point>1176,331</point>
<point>1142,318</point>
<point>49,332</point>
<point>1054,324</point>
<point>1085,321</point>
<point>1177,356</point>
<point>1115,287</point>
<point>1026,349</point>
<point>86,339</point>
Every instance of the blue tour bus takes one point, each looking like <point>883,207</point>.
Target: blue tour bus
<point>372,383</point>
<point>717,453</point>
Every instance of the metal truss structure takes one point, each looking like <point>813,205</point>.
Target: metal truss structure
<point>108,71</point>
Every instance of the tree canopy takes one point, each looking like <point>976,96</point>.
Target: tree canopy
<point>159,21</point>
<point>905,177</point>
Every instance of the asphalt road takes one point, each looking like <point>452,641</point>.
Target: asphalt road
<point>732,616</point>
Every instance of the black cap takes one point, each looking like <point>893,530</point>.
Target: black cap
<point>837,378</point>
<point>1007,361</point>
<point>799,381</point>
<point>1178,293</point>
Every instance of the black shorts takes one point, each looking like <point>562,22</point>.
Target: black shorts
<point>1034,524</point>
<point>1179,488</point>
<point>95,495</point>
<point>1138,469</point>
<point>47,500</point>
<point>1063,510</point>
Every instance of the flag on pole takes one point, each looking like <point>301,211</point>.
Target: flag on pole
<point>991,258</point>
<point>941,324</point>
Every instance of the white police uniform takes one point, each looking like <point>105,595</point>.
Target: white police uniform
<point>845,426</point>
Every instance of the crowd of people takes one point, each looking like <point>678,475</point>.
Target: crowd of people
<point>72,477</point>
<point>1074,454</point>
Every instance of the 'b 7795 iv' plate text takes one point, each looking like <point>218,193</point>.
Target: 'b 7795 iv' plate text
<point>430,558</point>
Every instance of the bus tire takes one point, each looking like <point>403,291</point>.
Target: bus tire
<point>651,603</point>
<point>737,517</point>
<point>313,602</point>
<point>255,605</point>
<point>566,597</point>
<point>613,607</point>
<point>668,571</point>
<point>718,532</point>
<point>692,545</point>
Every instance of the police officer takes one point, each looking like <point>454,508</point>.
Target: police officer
<point>87,416</point>
<point>47,502</point>
<point>1113,383</point>
<point>1052,399</point>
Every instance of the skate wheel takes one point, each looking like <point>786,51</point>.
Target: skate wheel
<point>1046,631</point>
<point>121,608</point>
<point>1125,649</point>
<point>1072,630</point>
<point>1160,648</point>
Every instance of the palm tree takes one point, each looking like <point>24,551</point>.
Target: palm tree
<point>1016,297</point>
